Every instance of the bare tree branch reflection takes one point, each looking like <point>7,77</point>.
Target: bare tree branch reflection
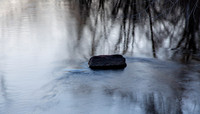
<point>176,21</point>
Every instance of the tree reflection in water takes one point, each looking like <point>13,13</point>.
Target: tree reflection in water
<point>35,48</point>
<point>163,24</point>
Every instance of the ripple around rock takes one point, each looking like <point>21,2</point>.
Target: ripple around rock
<point>107,62</point>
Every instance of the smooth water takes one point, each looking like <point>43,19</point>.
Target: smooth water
<point>43,68</point>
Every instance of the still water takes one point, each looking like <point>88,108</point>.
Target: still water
<point>43,66</point>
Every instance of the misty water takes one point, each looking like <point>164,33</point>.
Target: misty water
<point>44,49</point>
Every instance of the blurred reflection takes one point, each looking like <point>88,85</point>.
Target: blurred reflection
<point>45,45</point>
<point>132,26</point>
<point>159,89</point>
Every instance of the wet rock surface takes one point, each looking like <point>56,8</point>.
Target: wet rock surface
<point>107,62</point>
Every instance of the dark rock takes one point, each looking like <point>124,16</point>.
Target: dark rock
<point>107,62</point>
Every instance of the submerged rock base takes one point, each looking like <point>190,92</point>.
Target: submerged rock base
<point>107,62</point>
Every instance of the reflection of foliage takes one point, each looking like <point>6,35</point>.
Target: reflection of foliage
<point>176,20</point>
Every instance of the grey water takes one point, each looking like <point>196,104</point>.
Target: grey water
<point>44,49</point>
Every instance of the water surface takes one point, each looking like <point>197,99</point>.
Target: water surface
<point>43,66</point>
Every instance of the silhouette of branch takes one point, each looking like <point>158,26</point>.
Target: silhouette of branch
<point>151,28</point>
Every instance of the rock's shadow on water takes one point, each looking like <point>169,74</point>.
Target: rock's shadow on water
<point>145,86</point>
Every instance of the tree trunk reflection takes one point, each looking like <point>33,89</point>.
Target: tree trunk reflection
<point>176,21</point>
